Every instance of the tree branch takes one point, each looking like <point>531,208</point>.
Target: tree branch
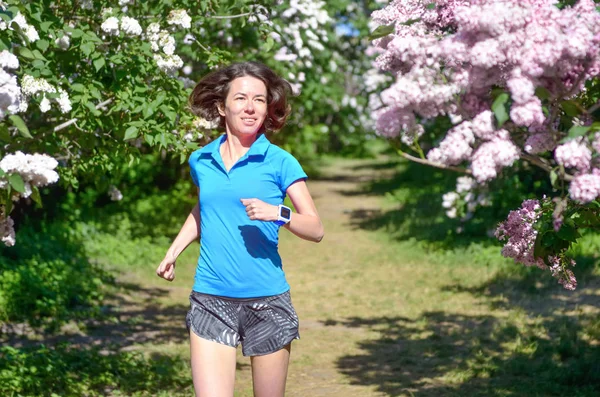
<point>74,120</point>
<point>229,16</point>
<point>432,164</point>
<point>593,108</point>
<point>543,165</point>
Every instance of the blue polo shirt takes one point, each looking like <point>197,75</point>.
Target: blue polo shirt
<point>238,256</point>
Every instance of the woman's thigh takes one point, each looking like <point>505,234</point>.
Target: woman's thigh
<point>213,367</point>
<point>269,373</point>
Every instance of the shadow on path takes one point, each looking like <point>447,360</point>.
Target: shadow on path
<point>480,355</point>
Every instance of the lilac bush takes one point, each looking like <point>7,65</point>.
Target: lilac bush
<point>519,82</point>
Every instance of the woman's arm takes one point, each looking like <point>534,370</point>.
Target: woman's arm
<point>190,231</point>
<point>305,222</point>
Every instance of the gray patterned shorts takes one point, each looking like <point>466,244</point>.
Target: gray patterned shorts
<point>262,325</point>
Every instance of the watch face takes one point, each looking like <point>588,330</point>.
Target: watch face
<point>285,213</point>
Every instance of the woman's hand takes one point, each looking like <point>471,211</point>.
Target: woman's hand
<point>166,269</point>
<point>259,210</point>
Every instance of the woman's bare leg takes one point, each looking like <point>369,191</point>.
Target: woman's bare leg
<point>269,373</point>
<point>213,367</point>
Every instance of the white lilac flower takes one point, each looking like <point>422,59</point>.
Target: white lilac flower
<point>44,104</point>
<point>63,101</point>
<point>63,42</point>
<point>203,124</point>
<point>153,28</point>
<point>3,25</point>
<point>180,18</point>
<point>8,60</point>
<point>87,4</point>
<point>37,169</point>
<point>124,2</point>
<point>19,19</point>
<point>167,42</point>
<point>7,231</point>
<point>106,12</point>
<point>187,70</point>
<point>189,39</point>
<point>131,26</point>
<point>115,194</point>
<point>31,86</point>
<point>10,94</point>
<point>111,26</point>
<point>31,34</point>
<point>187,82</point>
<point>169,63</point>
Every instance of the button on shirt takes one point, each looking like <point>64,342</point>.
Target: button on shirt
<point>238,256</point>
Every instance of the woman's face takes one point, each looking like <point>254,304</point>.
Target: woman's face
<point>245,107</point>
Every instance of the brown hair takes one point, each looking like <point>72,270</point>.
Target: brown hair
<point>213,88</point>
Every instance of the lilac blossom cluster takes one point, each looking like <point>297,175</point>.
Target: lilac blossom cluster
<point>465,200</point>
<point>447,55</point>
<point>36,170</point>
<point>519,232</point>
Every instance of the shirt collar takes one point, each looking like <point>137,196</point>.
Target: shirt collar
<point>258,148</point>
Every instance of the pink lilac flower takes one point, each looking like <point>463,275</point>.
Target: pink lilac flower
<point>585,187</point>
<point>596,142</point>
<point>540,143</point>
<point>455,147</point>
<point>559,270</point>
<point>528,114</point>
<point>491,157</point>
<point>483,125</point>
<point>574,154</point>
<point>519,233</point>
<point>521,87</point>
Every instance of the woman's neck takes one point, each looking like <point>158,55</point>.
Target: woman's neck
<point>236,146</point>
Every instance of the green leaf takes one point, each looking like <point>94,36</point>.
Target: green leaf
<point>131,133</point>
<point>568,233</point>
<point>411,22</point>
<point>6,16</point>
<point>269,44</point>
<point>99,63</point>
<point>539,249</point>
<point>499,108</point>
<point>26,53</point>
<point>382,31</point>
<point>38,55</point>
<point>35,195</point>
<point>87,48</point>
<point>42,45</point>
<point>149,139</point>
<point>20,124</point>
<point>570,108</point>
<point>4,134</point>
<point>38,64</point>
<point>542,93</point>
<point>77,87</point>
<point>553,178</point>
<point>2,173</point>
<point>76,33</point>
<point>595,126</point>
<point>17,183</point>
<point>44,26</point>
<point>430,6</point>
<point>578,130</point>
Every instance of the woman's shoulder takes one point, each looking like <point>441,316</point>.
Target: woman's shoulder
<point>277,153</point>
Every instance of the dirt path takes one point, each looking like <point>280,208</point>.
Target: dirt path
<point>378,317</point>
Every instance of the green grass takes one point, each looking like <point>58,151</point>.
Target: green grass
<point>393,302</point>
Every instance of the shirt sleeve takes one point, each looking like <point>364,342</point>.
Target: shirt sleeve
<point>193,162</point>
<point>290,172</point>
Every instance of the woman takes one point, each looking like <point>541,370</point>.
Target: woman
<point>240,294</point>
